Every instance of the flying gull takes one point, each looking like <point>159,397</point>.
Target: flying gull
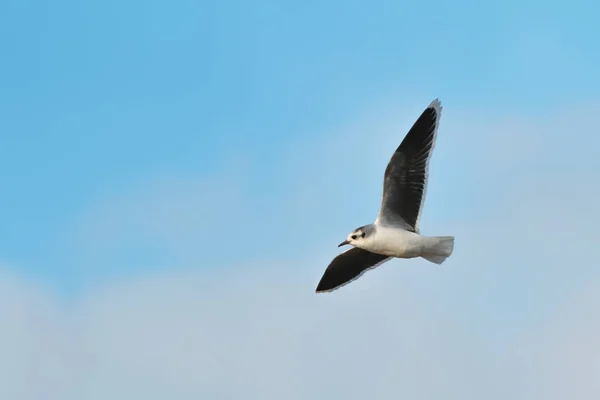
<point>395,232</point>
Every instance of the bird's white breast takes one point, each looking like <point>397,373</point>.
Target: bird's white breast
<point>393,242</point>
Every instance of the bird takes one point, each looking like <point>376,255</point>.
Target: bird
<point>395,232</point>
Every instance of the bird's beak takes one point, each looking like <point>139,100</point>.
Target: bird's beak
<point>345,242</point>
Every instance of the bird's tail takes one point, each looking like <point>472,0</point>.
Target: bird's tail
<point>439,249</point>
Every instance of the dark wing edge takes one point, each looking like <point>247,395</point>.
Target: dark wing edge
<point>404,204</point>
<point>348,267</point>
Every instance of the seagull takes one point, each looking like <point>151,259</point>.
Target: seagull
<point>395,232</point>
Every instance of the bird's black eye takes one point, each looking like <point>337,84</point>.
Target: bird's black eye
<point>353,237</point>
<point>364,234</point>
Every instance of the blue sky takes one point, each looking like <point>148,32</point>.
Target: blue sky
<point>98,97</point>
<point>135,137</point>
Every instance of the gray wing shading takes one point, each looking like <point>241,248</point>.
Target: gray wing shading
<point>348,267</point>
<point>405,179</point>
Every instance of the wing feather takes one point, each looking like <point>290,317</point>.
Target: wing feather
<point>406,175</point>
<point>347,267</point>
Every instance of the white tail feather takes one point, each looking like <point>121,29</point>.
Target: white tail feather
<point>440,249</point>
<point>435,259</point>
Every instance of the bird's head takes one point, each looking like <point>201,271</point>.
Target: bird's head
<point>355,237</point>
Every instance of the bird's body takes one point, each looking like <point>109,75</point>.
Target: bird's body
<point>392,242</point>
<point>395,232</point>
<point>397,242</point>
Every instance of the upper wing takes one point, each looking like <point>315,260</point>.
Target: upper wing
<point>347,267</point>
<point>405,179</point>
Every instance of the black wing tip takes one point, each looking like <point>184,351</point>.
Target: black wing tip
<point>320,288</point>
<point>434,109</point>
<point>436,105</point>
<point>328,289</point>
<point>326,285</point>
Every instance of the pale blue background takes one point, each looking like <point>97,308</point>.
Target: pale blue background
<point>176,175</point>
<point>99,95</point>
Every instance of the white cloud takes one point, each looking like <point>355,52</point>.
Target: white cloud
<point>510,315</point>
<point>262,333</point>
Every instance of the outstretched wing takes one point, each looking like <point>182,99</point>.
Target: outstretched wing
<point>348,267</point>
<point>405,179</point>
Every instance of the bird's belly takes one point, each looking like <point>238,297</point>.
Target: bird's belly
<point>402,244</point>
